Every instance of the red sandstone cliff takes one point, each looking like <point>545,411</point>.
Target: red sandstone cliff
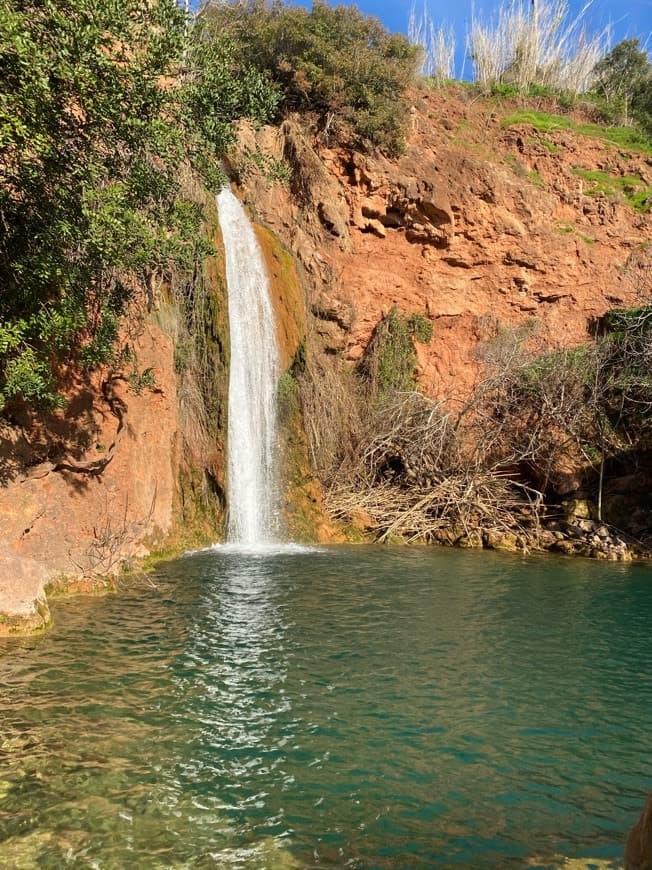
<point>477,223</point>
<point>57,520</point>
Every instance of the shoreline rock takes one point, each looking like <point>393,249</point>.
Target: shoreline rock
<point>23,602</point>
<point>638,850</point>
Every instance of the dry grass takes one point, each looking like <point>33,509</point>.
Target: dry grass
<point>538,45</point>
<point>438,44</point>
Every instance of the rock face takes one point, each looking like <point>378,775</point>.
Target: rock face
<point>477,224</point>
<point>23,601</point>
<point>287,296</point>
<point>63,517</point>
<point>638,851</point>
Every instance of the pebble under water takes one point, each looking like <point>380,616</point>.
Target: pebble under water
<point>334,707</point>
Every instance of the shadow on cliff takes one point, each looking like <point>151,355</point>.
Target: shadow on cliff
<point>626,494</point>
<point>33,443</point>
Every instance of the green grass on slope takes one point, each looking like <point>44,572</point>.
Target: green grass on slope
<point>626,138</point>
<point>629,187</point>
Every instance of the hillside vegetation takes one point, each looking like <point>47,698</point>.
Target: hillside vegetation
<point>107,112</point>
<point>335,64</point>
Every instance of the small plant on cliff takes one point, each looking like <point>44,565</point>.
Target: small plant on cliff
<point>390,360</point>
<point>420,328</point>
<point>287,396</point>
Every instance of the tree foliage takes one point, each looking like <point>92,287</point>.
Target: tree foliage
<point>624,81</point>
<point>102,103</point>
<point>335,62</point>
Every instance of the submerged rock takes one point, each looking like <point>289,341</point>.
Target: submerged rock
<point>23,605</point>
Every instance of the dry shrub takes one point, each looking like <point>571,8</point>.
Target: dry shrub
<point>114,538</point>
<point>415,476</point>
<point>333,416</point>
<point>191,367</point>
<point>411,464</point>
<point>540,421</point>
<point>638,273</point>
<point>464,504</point>
<point>193,415</point>
<point>185,314</point>
<point>411,442</point>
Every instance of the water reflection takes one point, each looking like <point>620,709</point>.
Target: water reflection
<point>236,662</point>
<point>363,708</point>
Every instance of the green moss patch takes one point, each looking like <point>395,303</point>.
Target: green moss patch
<point>624,138</point>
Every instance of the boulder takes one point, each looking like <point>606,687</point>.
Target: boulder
<point>502,541</point>
<point>332,218</point>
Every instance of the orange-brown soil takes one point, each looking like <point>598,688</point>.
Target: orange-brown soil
<point>477,224</point>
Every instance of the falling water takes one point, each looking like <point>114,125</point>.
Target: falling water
<point>255,369</point>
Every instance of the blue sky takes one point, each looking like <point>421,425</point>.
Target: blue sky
<point>629,18</point>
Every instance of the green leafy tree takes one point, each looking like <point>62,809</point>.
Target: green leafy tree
<point>624,81</point>
<point>102,104</point>
<point>219,87</point>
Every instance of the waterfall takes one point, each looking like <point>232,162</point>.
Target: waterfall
<point>254,373</point>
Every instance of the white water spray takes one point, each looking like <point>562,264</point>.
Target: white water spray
<point>254,373</point>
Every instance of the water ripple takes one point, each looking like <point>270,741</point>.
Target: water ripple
<point>329,708</point>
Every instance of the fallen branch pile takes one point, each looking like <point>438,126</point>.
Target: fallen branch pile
<point>462,504</point>
<point>414,479</point>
